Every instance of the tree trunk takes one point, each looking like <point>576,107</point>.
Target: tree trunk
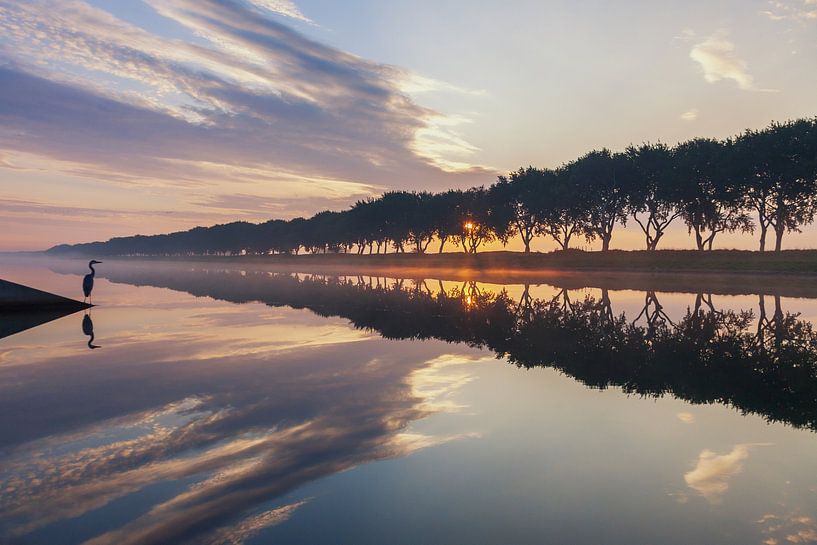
<point>763,229</point>
<point>779,229</point>
<point>699,239</point>
<point>527,236</point>
<point>605,242</point>
<point>442,244</point>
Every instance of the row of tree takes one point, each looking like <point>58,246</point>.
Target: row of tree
<point>763,180</point>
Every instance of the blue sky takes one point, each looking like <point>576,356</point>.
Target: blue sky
<point>118,117</point>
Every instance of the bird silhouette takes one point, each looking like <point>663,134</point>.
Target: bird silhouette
<point>88,281</point>
<point>88,329</point>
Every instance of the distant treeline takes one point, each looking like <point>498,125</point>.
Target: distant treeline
<point>760,181</point>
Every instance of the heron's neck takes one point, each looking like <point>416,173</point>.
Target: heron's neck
<point>91,266</point>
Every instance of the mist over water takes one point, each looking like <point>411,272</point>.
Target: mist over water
<point>240,404</point>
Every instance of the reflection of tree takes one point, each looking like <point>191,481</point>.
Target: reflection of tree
<point>562,300</point>
<point>707,356</point>
<point>702,299</point>
<point>525,306</point>
<point>653,312</point>
<point>605,306</point>
<point>771,330</point>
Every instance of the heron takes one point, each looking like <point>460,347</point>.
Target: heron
<point>88,281</point>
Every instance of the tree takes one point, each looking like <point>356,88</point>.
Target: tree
<point>709,202</point>
<point>476,220</point>
<point>446,219</point>
<point>779,165</point>
<point>397,209</point>
<point>603,181</point>
<point>517,199</point>
<point>653,194</point>
<point>421,221</point>
<point>713,186</point>
<point>562,211</point>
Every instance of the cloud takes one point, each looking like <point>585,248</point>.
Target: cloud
<point>241,98</point>
<point>717,57</point>
<point>690,115</point>
<point>797,10</point>
<point>412,83</point>
<point>282,7</point>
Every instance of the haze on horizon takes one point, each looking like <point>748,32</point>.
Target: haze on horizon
<point>151,116</point>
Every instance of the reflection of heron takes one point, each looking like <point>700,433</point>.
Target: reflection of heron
<point>88,329</point>
<point>88,281</point>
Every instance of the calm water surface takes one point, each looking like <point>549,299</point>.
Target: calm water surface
<point>247,406</point>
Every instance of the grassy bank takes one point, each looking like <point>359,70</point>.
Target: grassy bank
<point>738,261</point>
<point>790,273</point>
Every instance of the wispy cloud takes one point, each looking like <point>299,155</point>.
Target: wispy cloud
<point>719,61</point>
<point>244,96</point>
<point>689,115</point>
<point>797,10</point>
<point>282,7</point>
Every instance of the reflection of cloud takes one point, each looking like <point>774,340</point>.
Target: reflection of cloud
<point>710,477</point>
<point>439,380</point>
<point>262,412</point>
<point>247,528</point>
<point>790,528</point>
<point>719,61</point>
<point>686,418</point>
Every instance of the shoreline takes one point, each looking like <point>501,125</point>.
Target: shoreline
<point>791,273</point>
<point>800,262</point>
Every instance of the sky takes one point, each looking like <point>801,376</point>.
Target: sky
<point>148,116</point>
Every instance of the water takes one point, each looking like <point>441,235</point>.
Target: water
<point>235,404</point>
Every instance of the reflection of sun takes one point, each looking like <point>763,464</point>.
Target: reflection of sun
<point>470,296</point>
